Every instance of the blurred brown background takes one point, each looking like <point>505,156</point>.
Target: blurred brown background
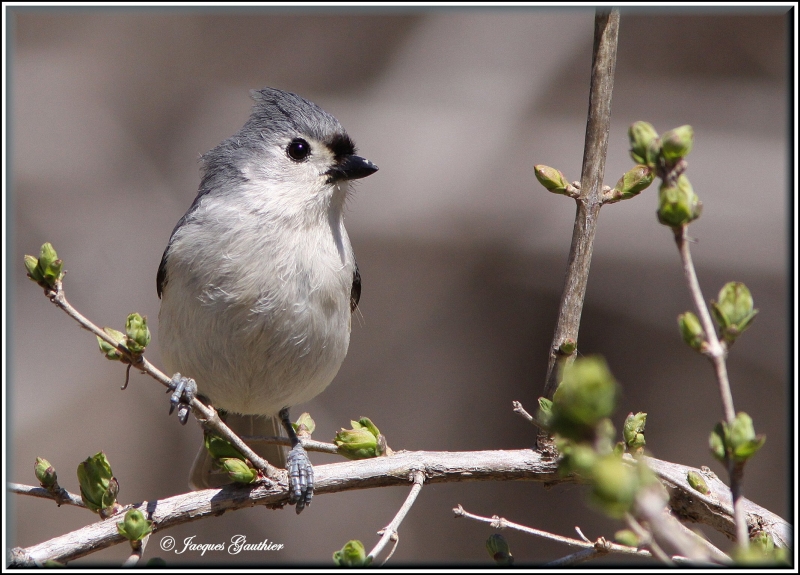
<point>462,253</point>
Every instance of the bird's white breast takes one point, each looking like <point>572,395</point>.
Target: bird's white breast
<point>262,320</point>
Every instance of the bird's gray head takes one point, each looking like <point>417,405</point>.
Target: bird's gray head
<point>288,143</point>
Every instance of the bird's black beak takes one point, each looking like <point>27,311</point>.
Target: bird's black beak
<point>351,168</point>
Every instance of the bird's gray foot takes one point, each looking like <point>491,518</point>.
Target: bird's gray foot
<point>184,390</point>
<point>301,473</point>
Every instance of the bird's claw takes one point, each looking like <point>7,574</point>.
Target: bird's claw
<point>184,390</point>
<point>301,477</point>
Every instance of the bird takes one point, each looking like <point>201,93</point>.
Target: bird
<point>258,282</point>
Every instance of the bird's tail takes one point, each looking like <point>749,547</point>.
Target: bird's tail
<point>204,475</point>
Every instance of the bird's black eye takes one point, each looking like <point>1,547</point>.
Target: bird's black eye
<point>298,149</point>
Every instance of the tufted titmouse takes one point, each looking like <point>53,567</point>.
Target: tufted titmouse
<point>259,281</point>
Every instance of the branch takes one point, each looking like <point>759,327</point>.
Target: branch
<point>716,351</point>
<point>716,508</point>
<point>589,549</point>
<point>61,498</point>
<point>604,57</point>
<point>390,531</point>
<point>206,415</point>
<point>437,467</point>
<point>308,444</point>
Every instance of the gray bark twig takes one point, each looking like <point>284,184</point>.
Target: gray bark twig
<point>390,531</point>
<point>590,200</point>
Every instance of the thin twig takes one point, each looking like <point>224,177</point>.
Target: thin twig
<point>716,352</point>
<point>137,553</point>
<point>62,498</point>
<point>582,536</point>
<point>647,539</point>
<point>604,58</point>
<point>650,503</point>
<point>390,531</point>
<point>501,523</point>
<point>519,410</point>
<point>716,553</point>
<point>577,557</point>
<point>308,444</point>
<point>206,415</point>
<point>714,349</point>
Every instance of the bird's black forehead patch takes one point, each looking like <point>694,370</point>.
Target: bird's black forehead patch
<point>341,145</point>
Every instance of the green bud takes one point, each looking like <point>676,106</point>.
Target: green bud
<point>108,350</point>
<point>498,549</point>
<point>676,144</point>
<point>352,554</point>
<point>645,145</point>
<point>718,441</point>
<point>587,393</point>
<point>239,471</point>
<point>360,442</point>
<point>627,537</point>
<point>733,310</point>
<point>634,181</point>
<point>738,442</point>
<point>633,431</point>
<point>32,265</point>
<point>137,332</point>
<point>304,424</point>
<point>568,346</point>
<point>545,412</point>
<point>552,179</point>
<point>134,527</point>
<point>744,442</point>
<point>98,486</point>
<point>697,482</point>
<point>45,473</point>
<point>47,268</point>
<point>691,331</point>
<point>576,458</point>
<point>605,434</point>
<point>219,448</point>
<point>678,205</point>
<point>53,272</point>
<point>614,486</point>
<point>156,563</point>
<point>366,422</point>
<point>761,551</point>
<point>47,256</point>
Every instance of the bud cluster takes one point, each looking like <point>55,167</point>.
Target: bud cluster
<point>662,156</point>
<point>353,554</point>
<point>737,442</point>
<point>633,432</point>
<point>135,339</point>
<point>98,485</point>
<point>46,270</point>
<point>363,441</point>
<point>134,527</point>
<point>579,416</point>
<point>227,457</point>
<point>498,549</point>
<point>733,311</point>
